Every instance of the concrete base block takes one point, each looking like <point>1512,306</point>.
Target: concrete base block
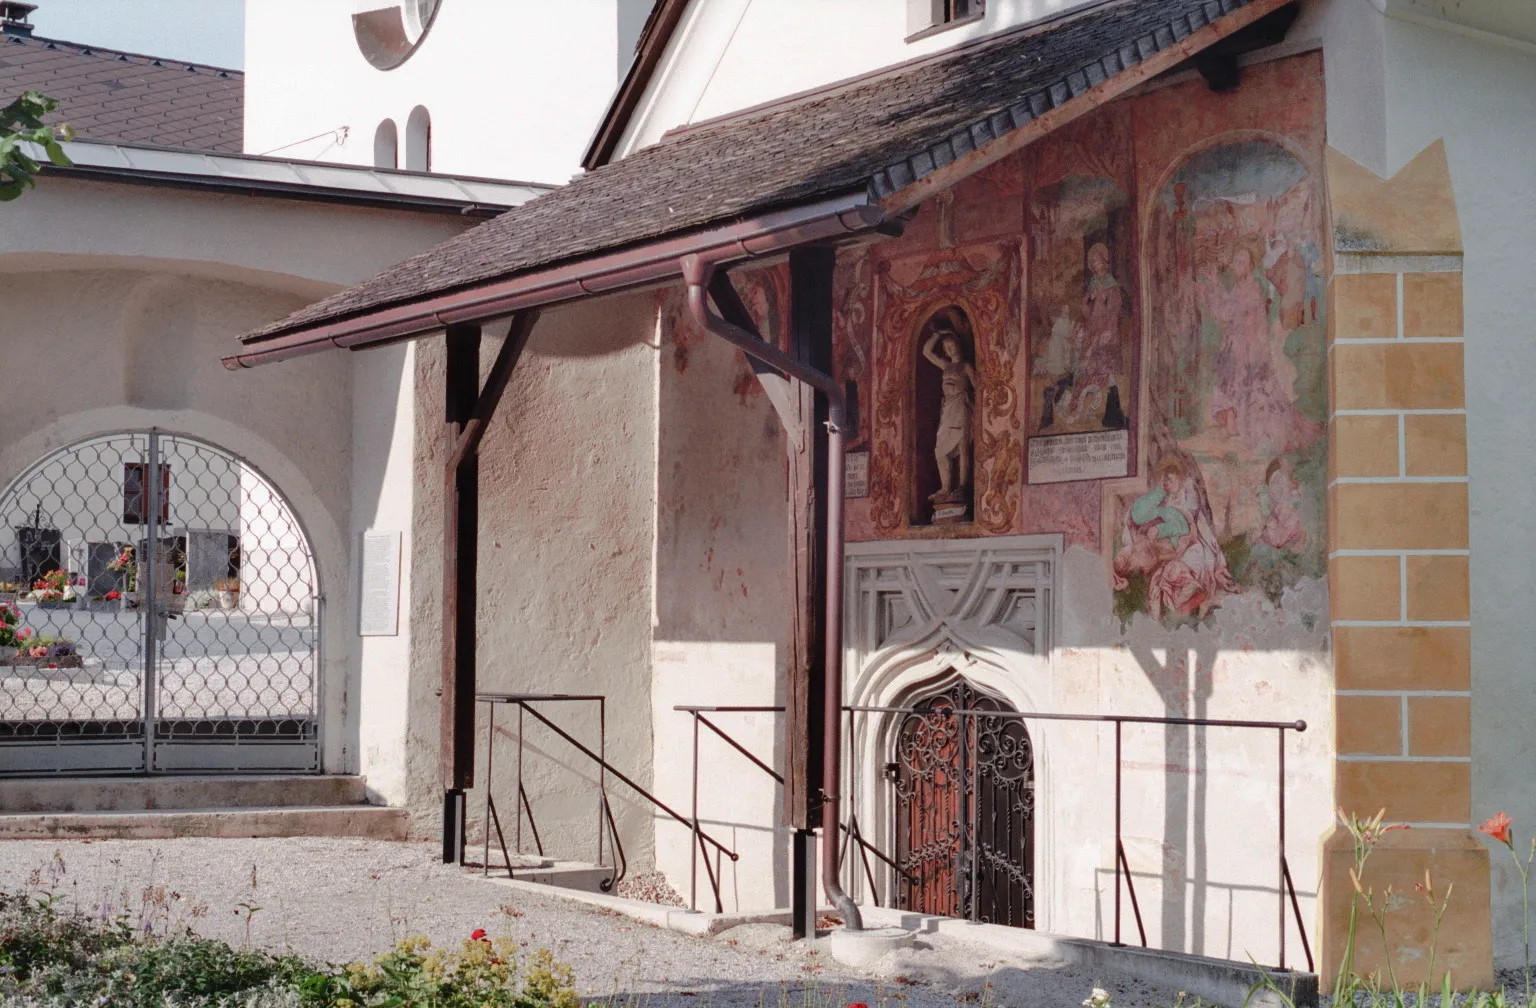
<point>1217,981</point>
<point>58,795</point>
<point>374,822</point>
<point>864,949</point>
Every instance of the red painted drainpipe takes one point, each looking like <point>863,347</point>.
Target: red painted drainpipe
<point>696,273</point>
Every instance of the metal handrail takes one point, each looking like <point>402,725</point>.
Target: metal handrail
<point>610,768</point>
<point>1286,887</point>
<point>850,830</point>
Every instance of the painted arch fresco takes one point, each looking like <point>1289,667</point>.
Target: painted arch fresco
<point>1139,299</point>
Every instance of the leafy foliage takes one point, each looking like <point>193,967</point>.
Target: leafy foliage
<point>49,957</point>
<point>21,123</point>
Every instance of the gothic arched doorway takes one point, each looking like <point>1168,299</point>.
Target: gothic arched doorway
<point>159,612</point>
<point>964,801</point>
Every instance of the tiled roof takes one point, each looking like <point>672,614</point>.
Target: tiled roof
<point>120,97</point>
<point>871,134</point>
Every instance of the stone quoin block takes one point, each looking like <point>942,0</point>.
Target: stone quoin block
<point>1369,725</point>
<point>1439,588</point>
<point>1365,306</point>
<point>1397,376</point>
<point>1436,444</point>
<point>1432,305</point>
<point>1406,658</point>
<point>1440,726</point>
<point>1406,516</point>
<point>1364,446</point>
<point>1365,588</point>
<point>1410,790</point>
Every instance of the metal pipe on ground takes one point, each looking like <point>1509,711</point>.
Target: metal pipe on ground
<point>697,271</point>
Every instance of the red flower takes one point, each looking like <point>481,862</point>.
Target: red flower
<point>478,934</point>
<point>1498,827</point>
<point>858,1004</point>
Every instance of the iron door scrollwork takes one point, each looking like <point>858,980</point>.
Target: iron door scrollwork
<point>964,799</point>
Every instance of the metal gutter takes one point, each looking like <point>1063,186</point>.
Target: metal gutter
<point>655,262</point>
<point>278,190</point>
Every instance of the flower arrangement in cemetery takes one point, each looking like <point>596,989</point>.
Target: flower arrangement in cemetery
<point>53,586</point>
<point>125,564</point>
<point>12,633</point>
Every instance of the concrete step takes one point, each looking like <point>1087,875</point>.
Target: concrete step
<point>583,875</point>
<point>59,795</point>
<point>372,821</point>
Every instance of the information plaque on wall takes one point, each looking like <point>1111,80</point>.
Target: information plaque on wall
<point>379,595</point>
<point>856,474</point>
<point>1097,455</point>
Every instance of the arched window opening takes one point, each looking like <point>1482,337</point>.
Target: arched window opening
<point>386,145</point>
<point>418,140</point>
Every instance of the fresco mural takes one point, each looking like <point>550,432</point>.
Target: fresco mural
<point>1237,404</point>
<point>1083,313</point>
<point>1140,297</point>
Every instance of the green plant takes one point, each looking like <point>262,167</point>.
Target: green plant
<point>1498,827</point>
<point>53,956</point>
<point>1349,986</point>
<point>21,123</point>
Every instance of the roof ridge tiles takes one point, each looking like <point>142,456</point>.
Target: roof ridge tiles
<point>125,55</point>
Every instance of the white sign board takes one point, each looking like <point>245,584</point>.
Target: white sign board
<point>1099,455</point>
<point>379,596</point>
<point>856,474</point>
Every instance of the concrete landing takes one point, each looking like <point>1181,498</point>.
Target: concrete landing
<point>162,807</point>
<point>372,821</point>
<point>139,794</point>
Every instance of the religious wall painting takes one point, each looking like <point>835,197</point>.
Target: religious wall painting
<point>1083,325</point>
<point>851,350</point>
<point>946,413</point>
<point>1235,499</point>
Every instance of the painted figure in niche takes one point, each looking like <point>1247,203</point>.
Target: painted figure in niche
<point>1083,311</point>
<point>1170,549</point>
<point>1236,376</point>
<point>952,439</point>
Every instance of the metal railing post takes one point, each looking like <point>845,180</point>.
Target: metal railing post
<point>490,750</point>
<point>1280,888</point>
<point>693,848</point>
<point>518,839</point>
<point>1117,834</point>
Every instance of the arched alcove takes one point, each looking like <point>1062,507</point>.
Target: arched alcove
<point>386,145</point>
<point>418,140</point>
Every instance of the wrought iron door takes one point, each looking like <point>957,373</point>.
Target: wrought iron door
<point>964,799</point>
<point>160,614</point>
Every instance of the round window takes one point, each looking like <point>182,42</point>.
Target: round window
<point>389,32</point>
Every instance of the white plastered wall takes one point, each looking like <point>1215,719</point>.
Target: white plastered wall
<point>1480,97</point>
<point>732,54</point>
<point>136,293</point>
<point>485,73</point>
<point>567,505</point>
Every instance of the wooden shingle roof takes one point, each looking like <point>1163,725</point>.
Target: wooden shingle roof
<point>877,134</point>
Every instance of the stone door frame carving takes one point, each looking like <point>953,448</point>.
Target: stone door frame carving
<point>920,612</point>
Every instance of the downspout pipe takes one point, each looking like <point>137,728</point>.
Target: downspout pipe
<point>697,271</point>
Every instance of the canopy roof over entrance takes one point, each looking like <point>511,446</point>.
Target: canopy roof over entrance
<point>877,145</point>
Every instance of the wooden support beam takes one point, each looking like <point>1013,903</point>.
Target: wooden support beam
<point>810,271</point>
<point>461,528</point>
<point>468,409</point>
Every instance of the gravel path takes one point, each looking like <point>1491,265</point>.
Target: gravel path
<point>344,899</point>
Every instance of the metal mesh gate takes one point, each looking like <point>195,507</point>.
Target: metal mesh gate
<point>158,612</point>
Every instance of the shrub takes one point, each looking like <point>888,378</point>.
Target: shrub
<point>53,958</point>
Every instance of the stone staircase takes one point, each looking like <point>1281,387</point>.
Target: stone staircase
<point>155,808</point>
